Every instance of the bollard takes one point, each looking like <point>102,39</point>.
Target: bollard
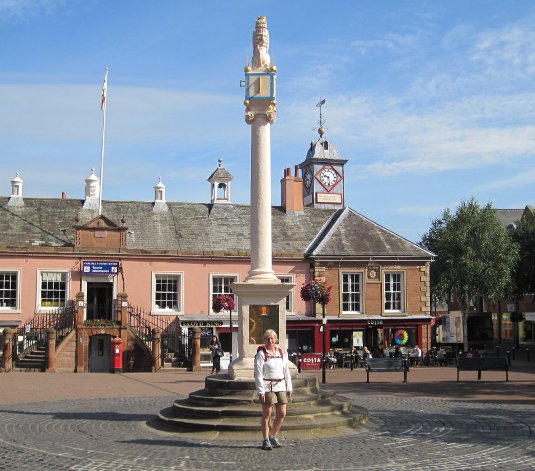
<point>352,361</point>
<point>513,353</point>
<point>509,358</point>
<point>497,350</point>
<point>299,363</point>
<point>527,353</point>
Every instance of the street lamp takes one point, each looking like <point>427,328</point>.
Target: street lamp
<point>230,328</point>
<point>221,303</point>
<point>317,292</point>
<point>323,328</point>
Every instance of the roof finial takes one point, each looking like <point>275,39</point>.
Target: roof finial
<point>220,160</point>
<point>321,129</point>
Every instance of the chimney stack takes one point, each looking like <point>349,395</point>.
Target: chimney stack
<point>292,191</point>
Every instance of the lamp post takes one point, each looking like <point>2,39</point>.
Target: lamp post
<point>220,303</point>
<point>317,292</point>
<point>323,328</point>
<point>230,328</point>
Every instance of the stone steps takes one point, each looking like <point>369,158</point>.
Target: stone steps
<point>252,423</point>
<point>227,405</point>
<point>33,361</point>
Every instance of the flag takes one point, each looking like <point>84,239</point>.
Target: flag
<point>104,91</point>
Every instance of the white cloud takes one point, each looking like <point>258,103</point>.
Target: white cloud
<point>393,43</point>
<point>520,180</point>
<point>510,50</point>
<point>63,113</point>
<point>421,210</point>
<point>27,8</point>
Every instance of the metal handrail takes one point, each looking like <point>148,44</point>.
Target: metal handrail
<point>143,324</point>
<point>35,331</point>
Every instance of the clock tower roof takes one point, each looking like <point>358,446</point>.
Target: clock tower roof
<point>323,150</point>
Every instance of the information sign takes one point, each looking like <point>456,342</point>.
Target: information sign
<point>100,268</point>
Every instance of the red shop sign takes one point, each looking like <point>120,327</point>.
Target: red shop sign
<point>311,361</point>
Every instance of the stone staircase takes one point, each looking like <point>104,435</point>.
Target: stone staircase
<point>32,361</point>
<point>232,406</point>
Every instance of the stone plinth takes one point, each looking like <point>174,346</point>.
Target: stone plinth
<point>252,296</point>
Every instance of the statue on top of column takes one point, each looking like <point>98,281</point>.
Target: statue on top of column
<point>261,59</point>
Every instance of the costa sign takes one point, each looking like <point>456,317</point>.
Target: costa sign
<point>311,361</point>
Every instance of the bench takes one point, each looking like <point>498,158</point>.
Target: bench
<point>480,364</point>
<point>379,365</point>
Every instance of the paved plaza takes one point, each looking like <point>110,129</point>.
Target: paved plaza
<point>106,422</point>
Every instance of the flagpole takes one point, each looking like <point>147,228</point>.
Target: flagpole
<point>103,105</point>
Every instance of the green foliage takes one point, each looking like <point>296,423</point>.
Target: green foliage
<point>475,256</point>
<point>524,273</point>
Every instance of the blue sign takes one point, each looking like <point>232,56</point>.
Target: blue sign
<point>100,268</point>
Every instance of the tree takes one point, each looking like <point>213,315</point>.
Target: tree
<point>475,256</point>
<point>524,273</point>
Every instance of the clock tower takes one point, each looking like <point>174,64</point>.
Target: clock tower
<point>323,173</point>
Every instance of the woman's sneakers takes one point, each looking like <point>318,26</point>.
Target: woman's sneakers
<point>275,442</point>
<point>266,445</point>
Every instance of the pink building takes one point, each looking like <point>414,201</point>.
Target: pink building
<point>136,268</point>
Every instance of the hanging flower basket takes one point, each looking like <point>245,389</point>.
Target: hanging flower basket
<point>316,292</point>
<point>223,302</point>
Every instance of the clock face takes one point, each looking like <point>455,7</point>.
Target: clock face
<point>307,179</point>
<point>328,177</point>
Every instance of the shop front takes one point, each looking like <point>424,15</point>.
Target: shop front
<point>342,335</point>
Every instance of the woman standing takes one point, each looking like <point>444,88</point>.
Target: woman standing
<point>215,348</point>
<point>273,385</point>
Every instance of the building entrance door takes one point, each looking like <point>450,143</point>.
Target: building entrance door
<point>99,300</point>
<point>100,354</point>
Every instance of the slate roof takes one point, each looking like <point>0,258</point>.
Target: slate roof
<point>509,216</point>
<point>350,234</point>
<point>198,229</point>
<point>323,149</point>
<point>221,174</point>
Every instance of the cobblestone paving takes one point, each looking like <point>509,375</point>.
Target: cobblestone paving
<point>406,433</point>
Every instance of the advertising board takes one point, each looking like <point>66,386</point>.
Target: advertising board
<point>311,361</point>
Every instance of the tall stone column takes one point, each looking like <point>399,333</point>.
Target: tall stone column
<point>260,224</point>
<point>262,295</point>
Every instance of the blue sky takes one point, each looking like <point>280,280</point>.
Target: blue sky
<point>432,102</point>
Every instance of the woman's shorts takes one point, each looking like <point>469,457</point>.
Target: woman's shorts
<point>276,398</point>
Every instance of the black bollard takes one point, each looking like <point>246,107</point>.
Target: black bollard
<point>513,353</point>
<point>527,353</point>
<point>497,350</point>
<point>509,358</point>
<point>352,361</point>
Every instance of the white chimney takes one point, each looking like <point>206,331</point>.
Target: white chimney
<point>16,192</point>
<point>92,191</point>
<point>160,205</point>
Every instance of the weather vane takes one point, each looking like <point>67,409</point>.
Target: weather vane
<point>321,129</point>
